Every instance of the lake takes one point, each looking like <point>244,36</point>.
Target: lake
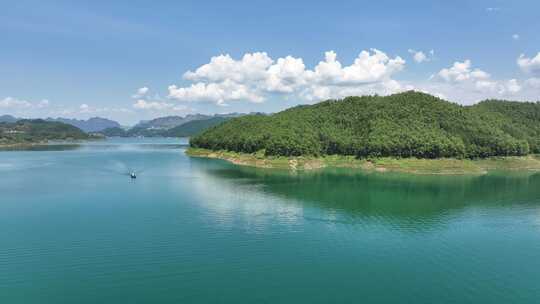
<point>74,228</point>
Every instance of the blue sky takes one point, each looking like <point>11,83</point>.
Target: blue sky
<point>120,59</point>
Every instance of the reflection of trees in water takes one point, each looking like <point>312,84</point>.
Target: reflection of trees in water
<point>91,146</point>
<point>403,197</point>
<point>44,147</point>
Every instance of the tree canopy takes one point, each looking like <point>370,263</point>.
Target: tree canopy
<point>409,124</point>
<point>38,130</point>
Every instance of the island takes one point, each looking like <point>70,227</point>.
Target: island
<point>407,132</point>
<point>39,131</point>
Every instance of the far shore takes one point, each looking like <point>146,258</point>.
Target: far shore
<point>50,142</point>
<point>442,166</point>
<point>23,145</point>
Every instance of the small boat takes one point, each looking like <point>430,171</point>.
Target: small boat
<point>132,175</point>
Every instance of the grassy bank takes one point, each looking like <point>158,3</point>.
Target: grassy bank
<point>405,165</point>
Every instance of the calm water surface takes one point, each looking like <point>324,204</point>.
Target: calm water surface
<point>75,229</point>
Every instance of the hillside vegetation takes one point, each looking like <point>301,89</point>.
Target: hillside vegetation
<point>194,127</point>
<point>409,124</point>
<point>27,131</point>
<point>519,119</point>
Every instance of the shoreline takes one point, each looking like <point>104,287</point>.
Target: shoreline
<point>48,143</point>
<point>23,145</point>
<point>441,166</point>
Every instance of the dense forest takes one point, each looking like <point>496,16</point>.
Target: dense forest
<point>409,124</point>
<point>38,130</point>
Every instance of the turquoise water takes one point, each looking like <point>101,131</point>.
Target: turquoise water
<point>75,229</point>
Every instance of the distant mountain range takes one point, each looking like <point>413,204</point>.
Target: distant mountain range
<point>8,118</point>
<point>172,126</point>
<point>94,124</point>
<point>169,126</point>
<point>169,122</point>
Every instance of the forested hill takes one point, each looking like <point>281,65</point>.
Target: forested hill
<point>521,119</point>
<point>194,127</point>
<point>38,130</point>
<point>409,124</point>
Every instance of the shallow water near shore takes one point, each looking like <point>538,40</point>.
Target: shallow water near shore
<point>74,228</point>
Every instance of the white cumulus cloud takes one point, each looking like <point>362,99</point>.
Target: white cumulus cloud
<point>150,105</point>
<point>153,104</point>
<point>366,68</point>
<point>420,56</point>
<point>462,71</point>
<point>493,9</point>
<point>220,68</point>
<point>44,108</point>
<point>465,83</point>
<point>256,76</point>
<point>142,104</point>
<point>533,83</point>
<point>512,86</point>
<point>43,103</point>
<point>141,92</point>
<point>12,103</point>
<point>219,93</point>
<point>529,65</point>
<point>286,75</point>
